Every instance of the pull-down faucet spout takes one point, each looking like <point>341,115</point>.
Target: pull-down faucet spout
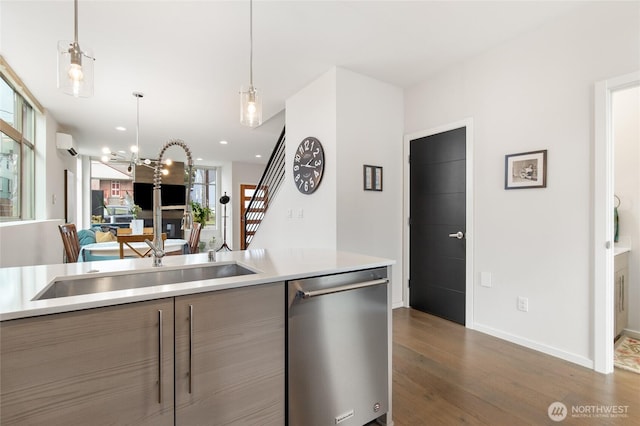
<point>157,246</point>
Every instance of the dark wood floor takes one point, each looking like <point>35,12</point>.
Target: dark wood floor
<point>445,374</point>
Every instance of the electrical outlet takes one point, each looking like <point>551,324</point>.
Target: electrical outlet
<point>523,304</point>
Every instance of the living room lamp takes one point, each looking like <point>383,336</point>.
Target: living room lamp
<point>75,65</point>
<point>250,100</point>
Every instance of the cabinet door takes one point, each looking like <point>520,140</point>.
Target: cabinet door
<point>99,366</point>
<point>230,353</point>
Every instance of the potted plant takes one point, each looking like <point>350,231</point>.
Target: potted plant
<point>200,213</point>
<point>135,210</point>
<point>137,225</point>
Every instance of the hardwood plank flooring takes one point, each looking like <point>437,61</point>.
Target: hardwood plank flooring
<point>445,374</point>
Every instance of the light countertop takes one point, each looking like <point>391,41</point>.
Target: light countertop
<point>620,249</point>
<point>18,286</point>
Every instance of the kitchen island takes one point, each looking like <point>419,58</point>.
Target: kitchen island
<point>205,351</point>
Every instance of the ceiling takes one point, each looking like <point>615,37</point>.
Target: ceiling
<point>190,59</point>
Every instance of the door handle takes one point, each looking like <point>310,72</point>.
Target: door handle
<point>459,235</point>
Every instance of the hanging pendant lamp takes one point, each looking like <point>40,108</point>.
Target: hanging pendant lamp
<point>75,65</point>
<point>250,100</point>
<point>135,149</point>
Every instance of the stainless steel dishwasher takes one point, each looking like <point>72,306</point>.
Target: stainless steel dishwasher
<point>337,352</point>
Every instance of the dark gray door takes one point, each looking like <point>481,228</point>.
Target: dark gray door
<point>438,215</point>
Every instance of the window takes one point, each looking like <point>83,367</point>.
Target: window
<point>115,188</point>
<point>17,154</point>
<point>9,177</point>
<point>204,190</point>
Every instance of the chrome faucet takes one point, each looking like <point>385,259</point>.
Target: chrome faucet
<point>157,246</point>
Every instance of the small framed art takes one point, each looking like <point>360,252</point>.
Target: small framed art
<point>525,170</point>
<point>372,176</point>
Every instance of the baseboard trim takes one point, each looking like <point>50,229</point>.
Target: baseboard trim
<point>631,333</point>
<point>549,350</point>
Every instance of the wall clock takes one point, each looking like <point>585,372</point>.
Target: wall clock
<point>308,165</point>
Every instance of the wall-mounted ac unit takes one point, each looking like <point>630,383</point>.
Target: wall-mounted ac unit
<point>66,142</point>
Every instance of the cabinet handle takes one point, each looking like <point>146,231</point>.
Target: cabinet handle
<point>160,357</point>
<point>309,294</point>
<point>190,346</point>
<point>622,294</point>
<point>620,280</point>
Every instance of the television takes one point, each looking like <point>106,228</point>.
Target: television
<point>171,195</point>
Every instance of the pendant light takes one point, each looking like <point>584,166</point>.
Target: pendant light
<point>75,65</point>
<point>135,149</point>
<point>250,100</point>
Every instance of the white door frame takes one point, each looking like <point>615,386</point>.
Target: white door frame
<point>468,123</point>
<point>603,315</point>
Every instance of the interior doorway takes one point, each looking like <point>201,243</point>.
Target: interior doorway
<point>437,192</point>
<point>603,217</point>
<point>449,293</point>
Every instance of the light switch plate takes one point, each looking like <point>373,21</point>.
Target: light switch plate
<point>485,279</point>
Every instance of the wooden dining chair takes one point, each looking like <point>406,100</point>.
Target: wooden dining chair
<point>71,242</point>
<point>194,239</point>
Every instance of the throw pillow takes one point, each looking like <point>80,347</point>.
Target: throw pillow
<point>104,237</point>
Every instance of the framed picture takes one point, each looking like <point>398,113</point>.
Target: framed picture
<point>372,178</point>
<point>525,170</point>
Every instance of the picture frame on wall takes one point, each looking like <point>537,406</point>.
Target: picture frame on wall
<point>525,170</point>
<point>372,176</point>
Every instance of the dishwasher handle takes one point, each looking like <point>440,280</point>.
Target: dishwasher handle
<point>309,294</point>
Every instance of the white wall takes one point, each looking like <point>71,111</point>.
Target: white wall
<point>370,130</point>
<point>535,92</point>
<point>56,161</point>
<point>359,121</point>
<point>310,112</point>
<point>32,242</point>
<point>626,136</point>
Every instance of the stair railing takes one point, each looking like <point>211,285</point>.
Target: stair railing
<point>265,192</point>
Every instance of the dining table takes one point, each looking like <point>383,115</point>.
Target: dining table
<point>122,249</point>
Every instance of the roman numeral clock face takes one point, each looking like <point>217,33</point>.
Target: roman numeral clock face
<point>308,165</point>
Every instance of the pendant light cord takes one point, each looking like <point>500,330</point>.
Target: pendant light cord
<point>137,124</point>
<point>138,95</point>
<point>75,21</point>
<point>250,44</point>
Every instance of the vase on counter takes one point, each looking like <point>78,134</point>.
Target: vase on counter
<point>137,226</point>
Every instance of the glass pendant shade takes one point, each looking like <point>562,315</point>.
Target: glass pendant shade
<point>250,107</point>
<point>75,69</point>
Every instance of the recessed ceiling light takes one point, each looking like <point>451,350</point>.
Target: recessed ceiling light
<point>258,156</point>
<point>121,151</point>
<point>121,129</point>
<point>198,159</point>
<point>223,142</point>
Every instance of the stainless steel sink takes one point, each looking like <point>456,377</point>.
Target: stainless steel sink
<point>90,285</point>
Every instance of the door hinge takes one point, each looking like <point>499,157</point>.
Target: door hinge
<point>408,221</point>
<point>409,158</point>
